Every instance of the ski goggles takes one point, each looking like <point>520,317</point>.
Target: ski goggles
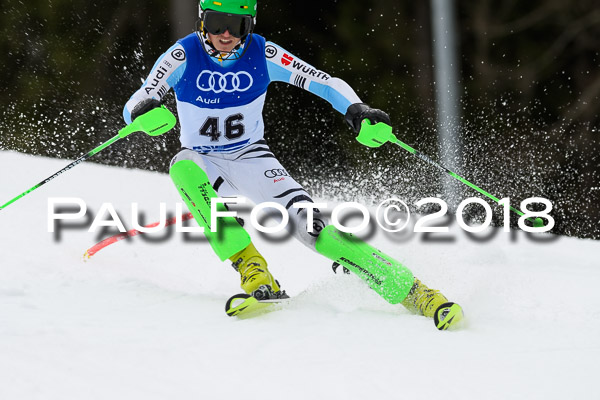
<point>216,23</point>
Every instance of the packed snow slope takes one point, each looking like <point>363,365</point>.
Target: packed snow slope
<point>143,320</point>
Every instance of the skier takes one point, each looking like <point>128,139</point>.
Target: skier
<point>220,74</point>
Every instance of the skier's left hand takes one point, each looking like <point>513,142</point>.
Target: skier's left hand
<point>143,107</point>
<point>372,125</point>
<point>358,112</point>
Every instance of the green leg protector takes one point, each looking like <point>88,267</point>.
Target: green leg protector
<point>196,191</point>
<point>390,279</point>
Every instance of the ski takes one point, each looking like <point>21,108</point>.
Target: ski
<point>448,316</point>
<point>243,305</point>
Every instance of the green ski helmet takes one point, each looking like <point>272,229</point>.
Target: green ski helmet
<point>216,16</point>
<point>241,7</point>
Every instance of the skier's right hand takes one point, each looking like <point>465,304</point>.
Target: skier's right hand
<point>143,107</point>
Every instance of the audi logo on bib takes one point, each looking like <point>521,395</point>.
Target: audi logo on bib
<point>229,82</point>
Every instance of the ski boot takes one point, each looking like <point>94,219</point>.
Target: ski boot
<point>256,280</point>
<point>431,303</point>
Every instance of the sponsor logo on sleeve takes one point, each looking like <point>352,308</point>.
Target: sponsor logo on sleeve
<point>270,51</point>
<point>155,80</point>
<point>299,80</point>
<point>307,69</point>
<point>162,91</point>
<point>286,59</point>
<point>178,54</point>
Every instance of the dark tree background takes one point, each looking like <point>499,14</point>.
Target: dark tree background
<point>530,75</point>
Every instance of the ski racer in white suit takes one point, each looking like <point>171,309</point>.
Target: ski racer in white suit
<point>220,75</point>
<point>220,103</point>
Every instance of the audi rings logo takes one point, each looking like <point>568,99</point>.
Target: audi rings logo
<point>274,173</point>
<point>229,82</point>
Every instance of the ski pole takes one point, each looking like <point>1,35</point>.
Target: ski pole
<point>130,233</point>
<point>378,134</point>
<point>155,122</point>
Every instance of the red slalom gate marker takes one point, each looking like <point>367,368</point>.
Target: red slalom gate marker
<point>124,235</point>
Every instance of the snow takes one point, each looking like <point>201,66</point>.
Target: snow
<point>144,320</point>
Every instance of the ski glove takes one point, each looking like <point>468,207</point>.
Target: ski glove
<point>373,126</point>
<point>143,107</point>
<point>357,112</point>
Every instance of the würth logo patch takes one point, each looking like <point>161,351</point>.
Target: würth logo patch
<point>287,59</point>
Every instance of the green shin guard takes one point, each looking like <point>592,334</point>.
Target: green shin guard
<point>196,191</point>
<point>390,279</point>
